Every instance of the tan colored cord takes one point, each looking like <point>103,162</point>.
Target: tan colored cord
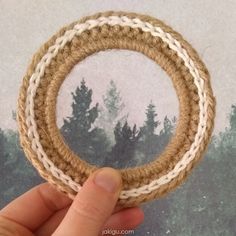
<point>41,139</point>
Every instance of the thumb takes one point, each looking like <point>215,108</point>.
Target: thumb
<point>93,204</point>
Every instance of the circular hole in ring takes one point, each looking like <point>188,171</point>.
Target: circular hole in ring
<point>114,113</point>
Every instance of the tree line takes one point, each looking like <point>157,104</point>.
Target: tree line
<point>204,205</point>
<point>102,135</point>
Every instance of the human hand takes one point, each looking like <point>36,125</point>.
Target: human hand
<point>44,211</point>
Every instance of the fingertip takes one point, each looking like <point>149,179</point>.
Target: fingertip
<point>53,198</point>
<point>129,218</point>
<point>108,178</point>
<point>133,216</point>
<point>138,216</point>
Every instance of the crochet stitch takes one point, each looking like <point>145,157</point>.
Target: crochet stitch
<point>39,134</point>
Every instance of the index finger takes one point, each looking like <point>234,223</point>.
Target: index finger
<point>35,206</point>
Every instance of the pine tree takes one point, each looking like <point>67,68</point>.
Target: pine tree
<point>151,123</point>
<point>167,126</point>
<point>232,130</point>
<point>232,119</point>
<point>149,143</point>
<point>2,139</point>
<point>113,102</point>
<point>167,131</point>
<point>4,170</point>
<point>227,139</point>
<point>110,112</point>
<point>126,139</point>
<point>79,130</point>
<point>2,150</point>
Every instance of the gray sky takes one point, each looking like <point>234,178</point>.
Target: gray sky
<point>209,25</point>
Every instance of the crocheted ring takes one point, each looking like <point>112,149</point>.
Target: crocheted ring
<point>41,139</point>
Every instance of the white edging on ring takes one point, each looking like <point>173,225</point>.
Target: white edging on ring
<point>133,23</point>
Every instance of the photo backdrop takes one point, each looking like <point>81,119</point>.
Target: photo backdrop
<point>118,108</point>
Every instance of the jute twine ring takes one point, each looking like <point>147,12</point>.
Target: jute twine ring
<point>41,140</point>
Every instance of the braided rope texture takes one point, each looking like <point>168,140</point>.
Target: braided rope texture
<point>41,139</point>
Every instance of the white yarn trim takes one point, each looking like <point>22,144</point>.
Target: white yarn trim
<point>133,23</point>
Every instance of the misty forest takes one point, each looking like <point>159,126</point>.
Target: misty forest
<point>102,135</point>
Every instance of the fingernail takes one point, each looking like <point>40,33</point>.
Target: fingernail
<point>108,179</point>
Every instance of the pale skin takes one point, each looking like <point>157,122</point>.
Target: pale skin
<point>44,211</point>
